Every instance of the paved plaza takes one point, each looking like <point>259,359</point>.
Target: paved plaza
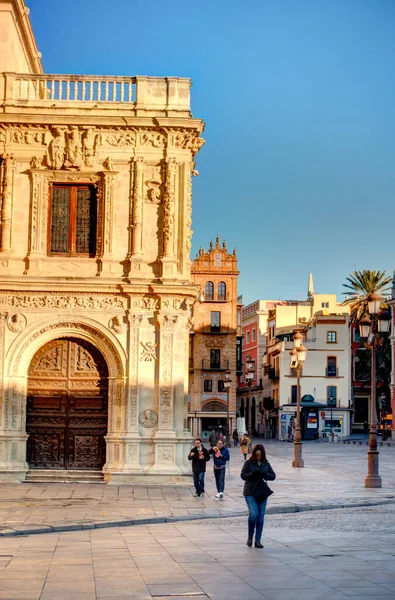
<point>322,555</point>
<point>333,476</point>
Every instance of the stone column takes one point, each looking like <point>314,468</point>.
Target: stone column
<point>104,243</point>
<point>6,191</point>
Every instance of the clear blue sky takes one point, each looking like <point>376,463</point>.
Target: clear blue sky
<point>298,97</point>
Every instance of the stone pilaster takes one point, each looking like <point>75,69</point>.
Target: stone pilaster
<point>165,437</point>
<point>169,259</point>
<point>137,210</point>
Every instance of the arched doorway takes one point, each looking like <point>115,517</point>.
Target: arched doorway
<point>67,406</point>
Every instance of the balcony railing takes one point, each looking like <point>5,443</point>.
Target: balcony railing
<point>332,372</point>
<point>215,329</point>
<point>146,93</point>
<point>208,365</point>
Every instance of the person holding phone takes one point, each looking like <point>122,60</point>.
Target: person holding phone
<point>199,456</point>
<point>221,457</point>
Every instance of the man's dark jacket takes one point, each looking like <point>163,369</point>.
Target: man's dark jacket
<point>198,464</point>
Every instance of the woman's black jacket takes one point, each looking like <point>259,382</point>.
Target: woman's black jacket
<point>252,472</point>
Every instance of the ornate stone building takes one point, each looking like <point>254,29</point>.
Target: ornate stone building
<point>215,340</point>
<point>95,283</point>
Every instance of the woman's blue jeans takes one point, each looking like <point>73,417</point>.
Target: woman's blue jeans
<point>256,517</point>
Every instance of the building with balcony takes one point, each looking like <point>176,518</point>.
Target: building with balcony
<point>326,382</point>
<point>95,281</point>
<point>214,341</point>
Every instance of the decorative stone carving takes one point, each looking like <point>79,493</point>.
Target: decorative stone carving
<point>153,185</point>
<point>27,136</point>
<point>135,322</point>
<point>52,300</point>
<point>148,418</point>
<point>167,321</point>
<point>90,146</point>
<point>148,353</point>
<point>108,164</point>
<point>122,139</point>
<point>188,208</point>
<point>85,361</point>
<point>166,387</point>
<point>132,453</point>
<point>57,149</point>
<point>118,324</point>
<point>74,156</point>
<point>51,361</point>
<point>35,163</point>
<point>166,453</point>
<point>189,323</point>
<point>169,209</point>
<point>153,139</point>
<point>215,342</point>
<point>16,323</point>
<point>150,303</point>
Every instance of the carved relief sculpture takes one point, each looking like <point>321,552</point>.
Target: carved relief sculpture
<point>57,149</point>
<point>74,157</point>
<point>17,323</point>
<point>118,324</point>
<point>148,353</point>
<point>90,146</point>
<point>148,418</point>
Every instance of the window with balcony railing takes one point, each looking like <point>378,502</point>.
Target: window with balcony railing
<point>331,366</point>
<point>222,291</point>
<point>331,395</point>
<point>215,322</point>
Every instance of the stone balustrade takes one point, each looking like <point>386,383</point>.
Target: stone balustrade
<point>161,95</point>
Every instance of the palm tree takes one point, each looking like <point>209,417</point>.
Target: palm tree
<point>360,285</point>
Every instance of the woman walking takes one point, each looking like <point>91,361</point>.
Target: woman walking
<point>244,444</point>
<point>255,472</point>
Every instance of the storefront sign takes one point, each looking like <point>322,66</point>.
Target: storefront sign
<point>312,421</point>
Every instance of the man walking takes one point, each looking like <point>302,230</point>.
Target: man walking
<point>199,456</point>
<point>221,457</point>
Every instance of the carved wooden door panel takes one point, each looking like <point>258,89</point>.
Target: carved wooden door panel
<point>67,406</point>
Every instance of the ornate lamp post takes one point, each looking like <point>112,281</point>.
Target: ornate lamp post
<point>250,376</point>
<point>227,384</point>
<point>370,330</point>
<point>298,356</point>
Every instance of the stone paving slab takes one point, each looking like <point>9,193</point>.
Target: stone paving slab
<point>205,561</point>
<point>333,477</point>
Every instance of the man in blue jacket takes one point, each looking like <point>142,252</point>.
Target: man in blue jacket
<point>221,457</point>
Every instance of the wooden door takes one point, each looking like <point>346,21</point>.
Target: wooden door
<point>67,406</point>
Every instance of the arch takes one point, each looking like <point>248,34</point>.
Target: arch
<point>222,290</point>
<point>21,352</point>
<point>209,295</point>
<point>67,406</point>
<point>214,405</point>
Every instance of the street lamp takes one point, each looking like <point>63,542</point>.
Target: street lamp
<point>370,330</point>
<point>227,384</point>
<point>298,356</point>
<point>250,376</point>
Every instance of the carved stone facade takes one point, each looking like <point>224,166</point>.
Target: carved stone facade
<point>129,292</point>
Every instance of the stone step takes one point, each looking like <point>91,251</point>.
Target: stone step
<point>63,476</point>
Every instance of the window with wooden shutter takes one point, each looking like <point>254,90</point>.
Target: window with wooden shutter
<point>72,222</point>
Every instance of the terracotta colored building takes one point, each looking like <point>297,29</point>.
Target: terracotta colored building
<point>214,339</point>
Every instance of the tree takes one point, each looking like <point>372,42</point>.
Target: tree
<point>360,285</point>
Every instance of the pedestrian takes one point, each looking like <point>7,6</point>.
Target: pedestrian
<point>213,438</point>
<point>199,456</point>
<point>255,472</point>
<point>244,444</point>
<point>365,428</point>
<point>235,436</point>
<point>221,457</point>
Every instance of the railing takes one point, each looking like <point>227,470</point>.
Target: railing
<point>73,88</point>
<point>147,93</point>
<point>332,372</point>
<point>208,365</point>
<point>273,374</point>
<point>215,329</point>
